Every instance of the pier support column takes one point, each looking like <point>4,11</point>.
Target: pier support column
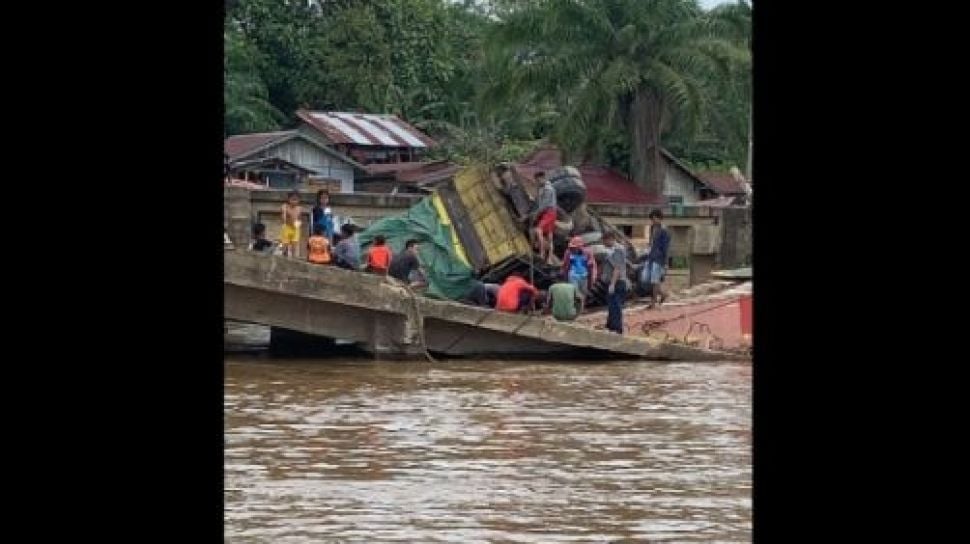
<point>392,338</point>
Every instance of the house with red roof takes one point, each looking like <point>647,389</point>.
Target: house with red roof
<point>605,185</point>
<point>613,194</point>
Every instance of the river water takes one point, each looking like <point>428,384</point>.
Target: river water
<point>487,451</point>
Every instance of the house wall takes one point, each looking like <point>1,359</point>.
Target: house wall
<point>363,209</point>
<point>678,183</point>
<point>307,155</point>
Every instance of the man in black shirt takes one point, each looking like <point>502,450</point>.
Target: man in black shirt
<point>406,263</point>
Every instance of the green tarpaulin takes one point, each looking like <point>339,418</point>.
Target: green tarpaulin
<point>448,277</point>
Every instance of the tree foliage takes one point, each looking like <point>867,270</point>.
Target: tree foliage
<point>642,67</point>
<point>487,77</point>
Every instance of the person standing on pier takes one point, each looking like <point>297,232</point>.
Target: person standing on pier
<point>655,267</point>
<point>579,266</point>
<point>614,274</point>
<point>545,215</point>
<point>323,216</point>
<point>290,233</point>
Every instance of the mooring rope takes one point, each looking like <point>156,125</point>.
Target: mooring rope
<point>417,314</point>
<point>657,323</point>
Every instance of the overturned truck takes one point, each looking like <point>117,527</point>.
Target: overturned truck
<point>475,227</point>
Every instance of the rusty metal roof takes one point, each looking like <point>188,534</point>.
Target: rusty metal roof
<point>369,129</point>
<point>723,183</point>
<point>242,144</point>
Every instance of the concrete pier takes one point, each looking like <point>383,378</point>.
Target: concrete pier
<point>391,322</point>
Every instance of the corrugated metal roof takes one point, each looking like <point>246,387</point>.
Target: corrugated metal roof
<point>414,172</point>
<point>369,129</point>
<point>242,144</point>
<point>430,172</point>
<point>723,183</point>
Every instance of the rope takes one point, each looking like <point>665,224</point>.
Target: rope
<point>418,315</point>
<point>656,323</point>
<point>461,336</point>
<point>715,342</point>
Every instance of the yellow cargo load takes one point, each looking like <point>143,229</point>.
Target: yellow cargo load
<point>488,233</point>
<point>445,219</point>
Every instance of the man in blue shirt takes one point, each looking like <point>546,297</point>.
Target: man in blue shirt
<point>655,267</point>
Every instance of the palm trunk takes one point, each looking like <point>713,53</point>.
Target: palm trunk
<point>646,162</point>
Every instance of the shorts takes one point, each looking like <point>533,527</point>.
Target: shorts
<point>547,221</point>
<point>289,234</point>
<point>653,273</point>
<point>581,283</point>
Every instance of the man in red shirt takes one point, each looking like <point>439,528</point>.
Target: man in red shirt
<point>515,295</point>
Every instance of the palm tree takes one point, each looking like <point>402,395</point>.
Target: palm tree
<point>635,65</point>
<point>246,100</point>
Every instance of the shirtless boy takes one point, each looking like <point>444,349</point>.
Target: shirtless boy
<point>290,234</point>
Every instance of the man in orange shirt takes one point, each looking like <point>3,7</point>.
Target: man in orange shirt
<point>379,256</point>
<point>515,295</point>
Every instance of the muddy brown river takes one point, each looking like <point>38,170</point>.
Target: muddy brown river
<point>487,451</point>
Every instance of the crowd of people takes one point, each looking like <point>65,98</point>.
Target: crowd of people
<point>332,247</point>
<point>564,300</point>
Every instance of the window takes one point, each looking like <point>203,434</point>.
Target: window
<point>675,199</point>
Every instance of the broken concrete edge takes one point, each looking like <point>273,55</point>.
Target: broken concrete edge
<point>255,271</point>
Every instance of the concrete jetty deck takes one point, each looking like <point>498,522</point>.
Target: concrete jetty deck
<point>391,322</point>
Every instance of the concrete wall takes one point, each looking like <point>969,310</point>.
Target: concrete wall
<point>264,207</point>
<point>678,183</point>
<point>732,225</point>
<point>682,230</point>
